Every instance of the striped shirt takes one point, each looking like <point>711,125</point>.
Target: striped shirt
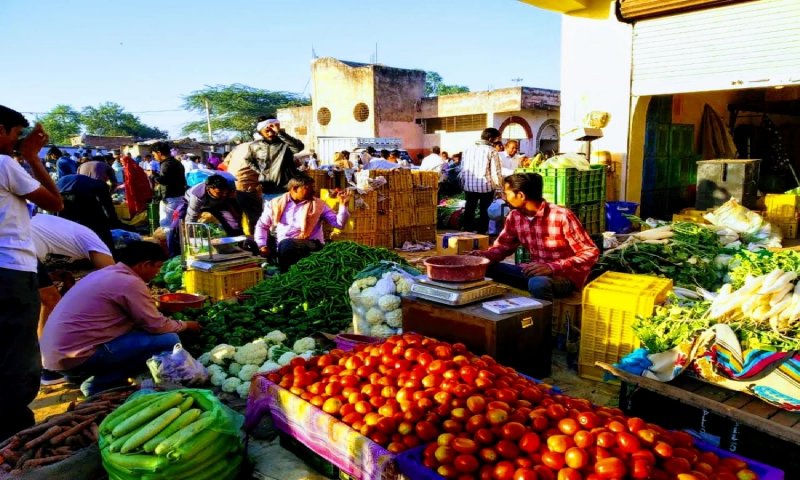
<point>481,171</point>
<point>554,237</point>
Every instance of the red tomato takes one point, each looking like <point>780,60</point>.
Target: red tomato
<point>530,442</point>
<point>710,458</point>
<point>576,457</point>
<point>544,472</point>
<point>583,439</point>
<point>444,455</point>
<point>627,442</point>
<point>476,404</point>
<point>507,449</point>
<point>332,406</point>
<point>443,351</point>
<point>466,463</point>
<point>606,439</point>
<point>689,454</point>
<point>647,436</point>
<point>556,411</point>
<point>426,431</point>
<point>513,430</point>
<point>569,474</point>
<point>559,443</point>
<point>525,474</point>
<point>663,449</point>
<point>464,445</point>
<point>469,374</point>
<point>553,460</point>
<point>640,469</point>
<point>539,422</point>
<point>568,426</point>
<point>635,424</point>
<point>645,455</point>
<point>452,426</point>
<point>588,420</point>
<point>617,426</point>
<point>504,470</point>
<point>496,416</point>
<point>676,465</point>
<point>610,468</point>
<point>484,436</point>
<point>447,471</point>
<point>488,455</point>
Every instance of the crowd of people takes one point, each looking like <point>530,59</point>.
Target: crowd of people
<point>106,325</point>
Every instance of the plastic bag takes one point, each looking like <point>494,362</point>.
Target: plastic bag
<point>375,297</point>
<point>753,230</point>
<point>122,238</point>
<point>194,177</point>
<point>496,210</point>
<point>177,366</point>
<point>567,160</point>
<point>213,452</point>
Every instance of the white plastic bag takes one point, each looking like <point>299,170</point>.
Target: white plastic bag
<point>376,295</point>
<point>177,366</point>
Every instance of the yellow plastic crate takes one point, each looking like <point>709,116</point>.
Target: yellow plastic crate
<point>781,205</point>
<point>690,215</point>
<point>221,285</point>
<point>788,229</point>
<point>123,213</point>
<point>610,305</point>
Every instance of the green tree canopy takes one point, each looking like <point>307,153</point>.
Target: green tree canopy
<point>435,86</point>
<point>61,123</point>
<point>234,108</point>
<point>111,119</point>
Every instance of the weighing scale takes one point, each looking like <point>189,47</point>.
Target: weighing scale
<point>217,254</point>
<point>456,293</point>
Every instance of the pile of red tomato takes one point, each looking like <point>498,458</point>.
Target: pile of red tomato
<point>479,419</point>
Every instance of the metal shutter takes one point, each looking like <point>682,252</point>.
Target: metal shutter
<point>747,45</point>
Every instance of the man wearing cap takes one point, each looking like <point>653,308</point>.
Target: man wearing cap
<point>272,157</point>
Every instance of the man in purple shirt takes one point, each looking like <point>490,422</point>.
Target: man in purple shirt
<point>106,327</point>
<point>297,217</point>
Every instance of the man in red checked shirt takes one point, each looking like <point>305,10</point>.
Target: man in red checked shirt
<point>562,254</point>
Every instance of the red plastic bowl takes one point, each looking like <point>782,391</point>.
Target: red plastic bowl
<point>178,302</point>
<point>456,268</point>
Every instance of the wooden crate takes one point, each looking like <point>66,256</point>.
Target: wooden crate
<point>425,215</point>
<point>424,233</point>
<point>404,217</point>
<point>397,179</point>
<point>521,340</point>
<point>425,179</point>
<point>401,200</point>
<point>402,235</point>
<point>384,239</point>
<point>367,239</point>
<point>425,197</point>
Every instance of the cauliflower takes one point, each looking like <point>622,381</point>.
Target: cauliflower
<point>304,345</point>
<point>307,355</point>
<point>286,358</point>
<point>213,369</point>
<point>276,351</point>
<point>381,331</point>
<point>374,316</point>
<point>230,384</point>
<point>218,379</point>
<point>269,366</point>
<point>394,318</point>
<point>403,286</point>
<point>385,285</point>
<point>354,290</point>
<point>368,281</point>
<point>234,368</point>
<point>247,372</point>
<point>387,303</point>
<point>369,297</point>
<point>253,353</point>
<point>275,336</point>
<point>222,352</point>
<point>204,359</point>
<point>243,389</point>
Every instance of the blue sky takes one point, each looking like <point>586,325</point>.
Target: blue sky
<point>147,54</point>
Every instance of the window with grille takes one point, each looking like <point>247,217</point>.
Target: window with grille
<point>458,123</point>
<point>361,112</point>
<point>324,116</point>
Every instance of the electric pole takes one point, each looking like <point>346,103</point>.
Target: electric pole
<point>208,121</point>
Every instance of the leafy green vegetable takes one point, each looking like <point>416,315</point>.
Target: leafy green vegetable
<point>676,322</point>
<point>760,263</point>
<point>170,275</point>
<point>310,297</point>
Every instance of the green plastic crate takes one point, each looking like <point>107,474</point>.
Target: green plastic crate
<point>570,186</point>
<point>592,217</point>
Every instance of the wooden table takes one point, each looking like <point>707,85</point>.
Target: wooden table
<point>738,407</point>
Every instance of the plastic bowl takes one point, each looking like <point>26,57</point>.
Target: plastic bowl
<point>178,302</point>
<point>456,268</point>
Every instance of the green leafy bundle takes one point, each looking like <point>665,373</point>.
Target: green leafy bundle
<point>310,297</point>
<point>676,322</point>
<point>760,263</point>
<point>170,275</point>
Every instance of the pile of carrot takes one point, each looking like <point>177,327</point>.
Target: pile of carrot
<point>60,436</point>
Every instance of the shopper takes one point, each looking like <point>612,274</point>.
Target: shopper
<point>170,183</point>
<point>217,197</point>
<point>297,216</point>
<point>88,202</point>
<point>20,362</point>
<point>480,178</point>
<point>106,327</point>
<point>561,252</point>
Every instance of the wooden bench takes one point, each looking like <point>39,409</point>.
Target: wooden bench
<point>738,407</point>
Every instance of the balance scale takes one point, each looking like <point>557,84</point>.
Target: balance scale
<point>456,293</point>
<point>221,261</point>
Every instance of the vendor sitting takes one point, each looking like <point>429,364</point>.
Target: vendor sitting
<point>106,327</point>
<point>216,197</point>
<point>297,216</point>
<point>561,252</point>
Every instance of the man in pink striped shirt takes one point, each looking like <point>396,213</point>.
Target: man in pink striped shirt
<point>107,325</point>
<point>562,253</point>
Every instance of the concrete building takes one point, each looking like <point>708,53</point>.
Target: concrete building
<point>364,100</point>
<point>654,66</point>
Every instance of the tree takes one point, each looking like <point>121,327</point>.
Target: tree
<point>435,86</point>
<point>61,123</point>
<point>111,119</point>
<point>234,108</point>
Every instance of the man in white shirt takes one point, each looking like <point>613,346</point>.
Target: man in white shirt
<point>509,158</point>
<point>20,361</point>
<point>481,176</point>
<point>189,163</point>
<point>433,162</point>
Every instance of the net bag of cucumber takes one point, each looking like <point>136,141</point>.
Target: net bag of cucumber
<point>178,434</point>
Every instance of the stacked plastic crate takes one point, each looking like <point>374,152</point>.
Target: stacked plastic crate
<point>582,191</point>
<point>782,212</point>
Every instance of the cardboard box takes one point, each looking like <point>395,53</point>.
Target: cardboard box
<point>460,243</point>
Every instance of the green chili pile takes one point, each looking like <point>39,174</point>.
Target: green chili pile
<point>309,298</point>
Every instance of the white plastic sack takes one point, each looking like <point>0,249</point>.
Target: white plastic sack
<point>376,299</point>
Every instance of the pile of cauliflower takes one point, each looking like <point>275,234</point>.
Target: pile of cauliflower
<point>232,368</point>
<point>376,304</point>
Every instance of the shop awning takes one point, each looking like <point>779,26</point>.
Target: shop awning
<point>631,10</point>
<point>578,8</point>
